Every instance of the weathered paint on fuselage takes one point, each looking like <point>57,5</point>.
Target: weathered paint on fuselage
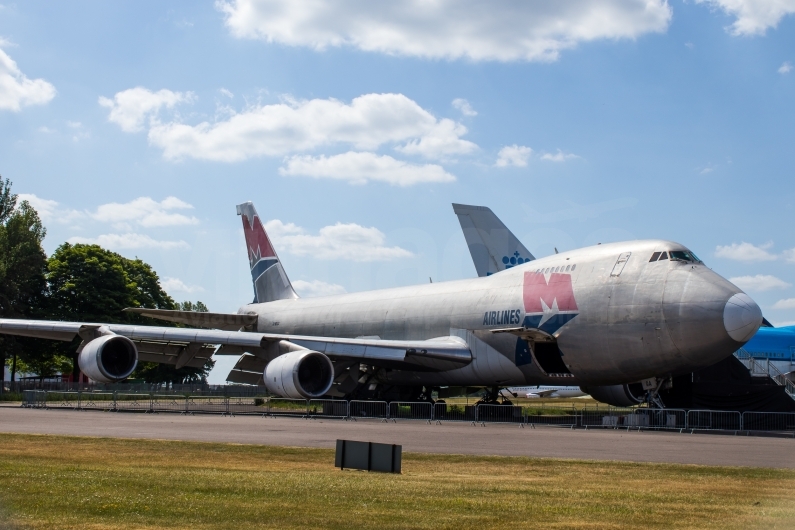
<point>652,319</point>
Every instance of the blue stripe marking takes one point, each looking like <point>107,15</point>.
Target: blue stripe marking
<point>261,266</point>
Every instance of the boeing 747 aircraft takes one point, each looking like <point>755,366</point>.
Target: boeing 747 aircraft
<point>495,248</point>
<point>599,316</point>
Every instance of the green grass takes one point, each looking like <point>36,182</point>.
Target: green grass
<point>69,482</point>
<point>10,396</point>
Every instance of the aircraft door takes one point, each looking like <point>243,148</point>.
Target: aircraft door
<point>620,263</point>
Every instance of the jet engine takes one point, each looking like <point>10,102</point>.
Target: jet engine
<point>299,374</point>
<point>617,395</point>
<point>109,358</point>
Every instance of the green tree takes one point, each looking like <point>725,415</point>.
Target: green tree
<point>89,283</point>
<point>23,286</point>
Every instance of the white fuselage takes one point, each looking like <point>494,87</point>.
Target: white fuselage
<point>623,320</point>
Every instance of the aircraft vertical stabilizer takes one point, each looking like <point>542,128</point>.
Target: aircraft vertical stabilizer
<point>270,280</point>
<point>493,247</point>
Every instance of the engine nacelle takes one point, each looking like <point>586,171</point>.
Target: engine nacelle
<point>299,374</point>
<point>109,358</point>
<point>617,395</point>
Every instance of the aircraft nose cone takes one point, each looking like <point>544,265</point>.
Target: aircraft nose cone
<point>741,317</point>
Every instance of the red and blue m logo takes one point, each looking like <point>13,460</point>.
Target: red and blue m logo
<point>548,305</point>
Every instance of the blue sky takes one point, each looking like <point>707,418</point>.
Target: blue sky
<point>353,126</point>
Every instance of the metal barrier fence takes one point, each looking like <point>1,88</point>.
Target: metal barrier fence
<point>615,418</point>
<point>97,401</point>
<point>641,418</point>
<point>328,408</point>
<point>552,416</point>
<point>714,419</point>
<point>287,407</point>
<point>452,412</point>
<point>378,410</point>
<point>409,410</point>
<point>498,414</point>
<point>768,421</point>
<point>247,405</point>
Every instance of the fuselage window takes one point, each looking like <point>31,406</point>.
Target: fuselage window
<point>546,271</point>
<point>663,256</point>
<point>573,267</point>
<point>568,267</point>
<point>556,269</point>
<point>654,257</point>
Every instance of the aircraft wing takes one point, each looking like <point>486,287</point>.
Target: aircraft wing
<point>192,347</point>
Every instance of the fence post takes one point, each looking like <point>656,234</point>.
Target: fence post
<point>115,406</point>
<point>226,403</point>
<point>79,400</point>
<point>742,416</point>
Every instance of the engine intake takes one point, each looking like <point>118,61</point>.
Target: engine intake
<point>109,358</point>
<point>299,374</point>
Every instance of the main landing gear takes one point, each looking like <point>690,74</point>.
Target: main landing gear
<point>492,397</point>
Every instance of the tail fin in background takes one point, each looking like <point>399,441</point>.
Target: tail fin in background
<point>270,281</point>
<point>493,247</point>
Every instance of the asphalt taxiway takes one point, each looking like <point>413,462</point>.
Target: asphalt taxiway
<point>415,436</point>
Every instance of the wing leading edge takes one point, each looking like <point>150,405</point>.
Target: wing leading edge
<point>192,347</point>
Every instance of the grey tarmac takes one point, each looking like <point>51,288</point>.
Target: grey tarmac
<point>414,436</point>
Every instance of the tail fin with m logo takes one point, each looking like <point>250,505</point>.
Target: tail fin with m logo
<point>267,274</point>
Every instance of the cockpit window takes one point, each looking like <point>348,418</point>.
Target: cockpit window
<point>654,257</point>
<point>663,256</point>
<point>684,255</point>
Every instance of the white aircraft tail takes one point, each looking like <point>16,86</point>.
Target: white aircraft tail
<point>493,247</point>
<point>267,274</point>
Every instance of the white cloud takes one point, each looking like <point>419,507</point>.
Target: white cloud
<point>560,156</point>
<point>513,155</point>
<point>17,91</point>
<point>368,122</point>
<point>359,168</point>
<point>340,241</point>
<point>129,241</point>
<point>146,212</point>
<point>785,68</point>
<point>760,282</point>
<point>745,252</point>
<point>49,210</point>
<point>176,285</point>
<point>130,108</point>
<point>464,106</point>
<point>227,93</point>
<point>448,29</point>
<point>787,303</point>
<point>753,17</point>
<point>317,288</point>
